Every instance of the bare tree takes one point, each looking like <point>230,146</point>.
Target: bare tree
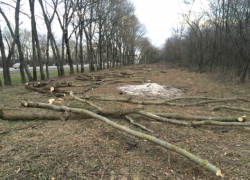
<point>35,41</point>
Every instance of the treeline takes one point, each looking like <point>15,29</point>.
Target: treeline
<point>102,33</point>
<point>216,40</point>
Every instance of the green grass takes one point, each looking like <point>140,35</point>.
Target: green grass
<point>16,76</point>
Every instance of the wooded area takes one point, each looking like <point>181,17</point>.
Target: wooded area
<point>101,33</point>
<point>214,40</point>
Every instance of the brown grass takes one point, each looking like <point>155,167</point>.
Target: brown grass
<point>83,149</point>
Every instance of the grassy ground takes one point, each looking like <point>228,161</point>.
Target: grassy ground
<point>16,77</point>
<point>90,149</point>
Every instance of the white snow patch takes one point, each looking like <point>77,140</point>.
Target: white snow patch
<point>151,90</point>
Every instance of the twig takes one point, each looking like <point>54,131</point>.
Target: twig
<point>100,160</point>
<point>137,124</point>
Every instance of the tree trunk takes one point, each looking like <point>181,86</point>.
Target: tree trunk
<point>47,56</point>
<point>22,62</point>
<point>76,52</point>
<point>244,72</point>
<point>55,50</point>
<point>81,50</point>
<point>5,73</point>
<point>68,51</point>
<point>108,56</point>
<point>34,55</point>
<point>35,36</point>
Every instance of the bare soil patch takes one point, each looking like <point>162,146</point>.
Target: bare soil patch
<point>90,149</point>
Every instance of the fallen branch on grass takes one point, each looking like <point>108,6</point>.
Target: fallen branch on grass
<point>137,124</point>
<point>202,102</point>
<point>203,163</point>
<point>172,121</point>
<point>166,102</point>
<point>194,123</point>
<point>104,111</point>
<point>228,107</point>
<point>201,118</point>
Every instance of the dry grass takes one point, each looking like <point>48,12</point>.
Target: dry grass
<point>90,149</point>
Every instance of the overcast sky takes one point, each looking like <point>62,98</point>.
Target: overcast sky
<point>158,16</point>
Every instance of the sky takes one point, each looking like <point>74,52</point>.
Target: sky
<point>159,17</point>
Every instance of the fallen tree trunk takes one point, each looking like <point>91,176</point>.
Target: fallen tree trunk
<point>37,84</point>
<point>184,123</point>
<point>104,111</point>
<point>16,114</point>
<point>194,123</point>
<point>123,81</point>
<point>202,102</point>
<point>228,107</point>
<point>201,118</point>
<point>166,102</point>
<point>44,91</point>
<point>203,163</point>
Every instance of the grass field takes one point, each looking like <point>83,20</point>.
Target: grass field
<point>89,148</point>
<point>16,76</point>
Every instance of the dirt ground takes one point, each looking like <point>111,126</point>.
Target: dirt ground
<point>90,149</point>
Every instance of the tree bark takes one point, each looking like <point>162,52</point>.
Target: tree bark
<point>35,36</point>
<point>228,107</point>
<point>201,118</point>
<point>19,114</point>
<point>54,47</point>
<point>7,80</point>
<point>20,51</point>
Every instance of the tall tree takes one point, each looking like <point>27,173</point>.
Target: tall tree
<point>35,37</point>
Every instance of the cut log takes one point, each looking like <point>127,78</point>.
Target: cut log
<point>44,91</point>
<point>230,108</point>
<point>18,114</point>
<point>194,123</point>
<point>203,163</point>
<point>201,118</point>
<point>104,111</point>
<point>184,123</point>
<point>37,84</point>
<point>133,101</point>
<point>202,102</point>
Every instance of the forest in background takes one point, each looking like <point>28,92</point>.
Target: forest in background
<point>214,40</point>
<point>101,33</point>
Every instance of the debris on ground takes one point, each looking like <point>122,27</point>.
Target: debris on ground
<point>151,90</point>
